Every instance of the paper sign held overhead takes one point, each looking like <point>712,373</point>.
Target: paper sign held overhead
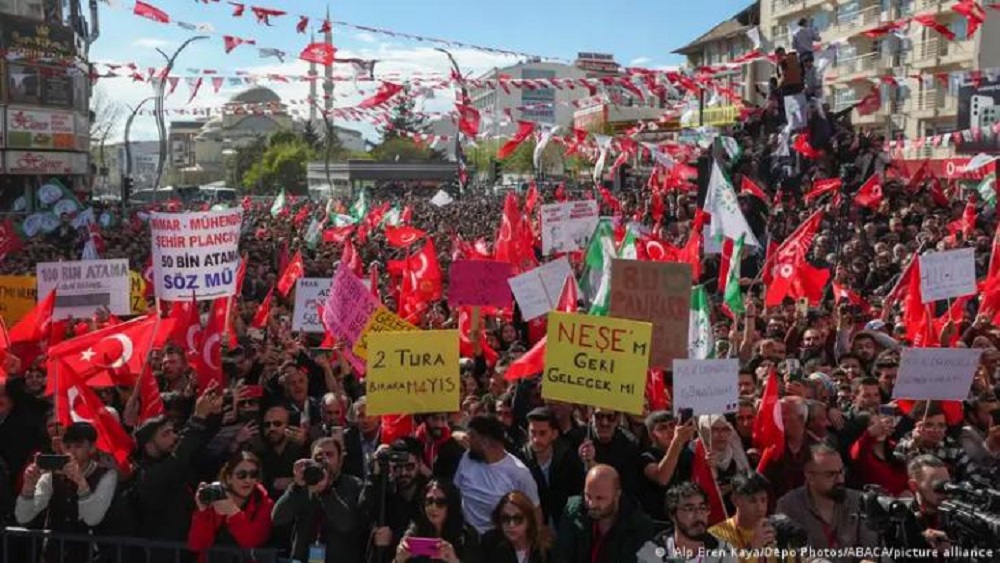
<point>537,291</point>
<point>596,361</point>
<point>382,320</point>
<point>348,309</point>
<point>947,274</point>
<point>17,297</point>
<point>479,283</point>
<point>943,374</point>
<point>309,294</point>
<point>195,253</point>
<point>660,293</point>
<point>84,286</point>
<point>706,386</point>
<point>567,227</point>
<point>413,372</point>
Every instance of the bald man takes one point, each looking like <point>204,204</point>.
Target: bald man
<point>602,526</point>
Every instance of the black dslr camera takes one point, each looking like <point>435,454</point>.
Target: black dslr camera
<point>313,473</point>
<point>213,492</point>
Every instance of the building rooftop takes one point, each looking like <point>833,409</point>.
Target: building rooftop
<point>735,25</point>
<point>256,95</point>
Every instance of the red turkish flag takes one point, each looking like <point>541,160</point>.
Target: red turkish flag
<point>468,119</point>
<point>928,20</point>
<point>187,325</point>
<point>113,355</point>
<point>76,402</point>
<point>531,198</point>
<point>207,358</point>
<point>402,237</point>
<point>150,400</point>
<point>150,12</point>
<point>791,275</point>
<point>768,424</point>
<point>524,130</point>
<point>337,235</point>
<point>748,186</point>
<point>263,312</point>
<point>349,256</point>
<point>821,187</point>
<point>426,272</point>
<point>870,194</point>
<point>319,53</point>
<point>292,273</point>
<point>37,324</point>
<point>533,361</point>
<point>384,93</point>
<point>870,103</point>
<point>10,242</point>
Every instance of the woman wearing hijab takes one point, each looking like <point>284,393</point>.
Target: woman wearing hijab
<point>718,457</point>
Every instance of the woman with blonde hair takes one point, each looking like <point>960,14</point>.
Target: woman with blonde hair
<point>518,535</point>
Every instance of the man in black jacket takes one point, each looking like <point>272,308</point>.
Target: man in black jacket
<point>602,526</point>
<point>403,503</point>
<point>160,496</point>
<point>326,515</point>
<point>557,470</point>
<point>608,443</point>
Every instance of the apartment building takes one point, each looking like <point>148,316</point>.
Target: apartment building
<point>927,70</point>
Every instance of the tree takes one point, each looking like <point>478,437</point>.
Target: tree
<point>403,118</point>
<point>107,114</point>
<point>245,158</point>
<point>310,136</point>
<point>282,166</point>
<point>401,149</point>
<point>395,147</point>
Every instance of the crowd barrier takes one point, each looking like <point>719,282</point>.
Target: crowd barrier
<point>21,545</point>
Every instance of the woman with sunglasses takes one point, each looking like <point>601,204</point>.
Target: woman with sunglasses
<point>517,536</point>
<point>243,518</point>
<point>439,532</point>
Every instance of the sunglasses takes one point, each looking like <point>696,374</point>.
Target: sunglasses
<point>439,502</point>
<point>511,519</point>
<point>274,423</point>
<point>250,474</point>
<point>606,416</point>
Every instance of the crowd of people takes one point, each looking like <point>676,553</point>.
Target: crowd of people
<point>285,456</point>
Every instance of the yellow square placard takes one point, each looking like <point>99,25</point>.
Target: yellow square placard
<point>412,372</point>
<point>596,361</point>
<point>382,320</point>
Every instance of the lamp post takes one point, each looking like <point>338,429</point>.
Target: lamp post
<point>160,93</point>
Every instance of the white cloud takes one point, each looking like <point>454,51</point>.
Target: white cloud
<point>365,37</point>
<point>639,61</point>
<point>151,43</point>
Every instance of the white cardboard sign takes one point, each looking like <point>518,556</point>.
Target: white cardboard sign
<point>706,386</point>
<point>84,286</point>
<point>309,292</point>
<point>943,374</point>
<point>567,227</point>
<point>537,291</point>
<point>196,253</point>
<point>947,274</point>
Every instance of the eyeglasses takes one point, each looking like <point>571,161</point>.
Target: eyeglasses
<point>274,423</point>
<point>439,502</point>
<point>511,519</point>
<point>693,508</point>
<point>249,474</point>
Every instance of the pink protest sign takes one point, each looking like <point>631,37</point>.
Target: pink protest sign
<point>348,309</point>
<point>479,282</point>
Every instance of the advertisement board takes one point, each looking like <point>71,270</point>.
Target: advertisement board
<point>31,162</point>
<point>979,107</point>
<point>40,129</point>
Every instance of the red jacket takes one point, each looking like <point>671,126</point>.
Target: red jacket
<point>250,528</point>
<point>885,473</point>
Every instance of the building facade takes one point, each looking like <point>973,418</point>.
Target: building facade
<point>501,107</point>
<point>44,100</point>
<point>927,68</point>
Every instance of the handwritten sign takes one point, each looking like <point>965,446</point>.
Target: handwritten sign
<point>479,282</point>
<point>596,361</point>
<point>568,226</point>
<point>84,286</point>
<point>706,386</point>
<point>137,293</point>
<point>537,291</point>
<point>382,320</point>
<point>348,309</point>
<point>195,253</point>
<point>947,274</point>
<point>660,293</point>
<point>310,293</point>
<point>413,372</point>
<point>17,297</point>
<point>936,373</point>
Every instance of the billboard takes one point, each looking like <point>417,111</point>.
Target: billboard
<point>543,100</point>
<point>979,106</point>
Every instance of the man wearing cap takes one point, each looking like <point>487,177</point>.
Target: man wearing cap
<point>76,497</point>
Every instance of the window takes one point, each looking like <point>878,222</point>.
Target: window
<point>25,8</point>
<point>905,7</point>
<point>25,84</point>
<point>848,11</point>
<point>960,28</point>
<point>821,21</point>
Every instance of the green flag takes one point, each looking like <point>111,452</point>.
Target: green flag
<point>359,209</point>
<point>701,342</point>
<point>279,204</point>
<point>313,234</point>
<point>596,282</point>
<point>391,218</point>
<point>987,192</point>
<point>732,296</point>
<point>627,250</point>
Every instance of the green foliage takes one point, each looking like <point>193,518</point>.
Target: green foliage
<point>310,136</point>
<point>401,149</point>
<point>281,165</point>
<point>403,118</point>
<point>245,158</point>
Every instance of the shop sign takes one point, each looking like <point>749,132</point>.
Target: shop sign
<point>40,129</point>
<point>32,162</point>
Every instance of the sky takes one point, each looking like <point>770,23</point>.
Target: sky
<point>637,32</point>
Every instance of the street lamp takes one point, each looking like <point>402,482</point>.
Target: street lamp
<point>160,93</point>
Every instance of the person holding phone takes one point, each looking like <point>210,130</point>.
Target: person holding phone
<point>871,454</point>
<point>439,533</point>
<point>667,462</point>
<point>74,489</point>
<point>242,518</point>
<point>518,536</point>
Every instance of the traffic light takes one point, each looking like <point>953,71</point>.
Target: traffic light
<point>126,188</point>
<point>497,171</point>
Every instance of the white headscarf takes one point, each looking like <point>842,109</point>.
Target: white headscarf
<point>733,450</point>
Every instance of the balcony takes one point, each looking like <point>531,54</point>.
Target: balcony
<point>926,54</point>
<point>786,7</point>
<point>850,68</point>
<point>929,104</point>
<point>854,22</point>
<point>955,52</point>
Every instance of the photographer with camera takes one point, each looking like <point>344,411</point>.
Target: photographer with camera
<point>235,510</point>
<point>749,528</point>
<point>390,499</point>
<point>927,477</point>
<point>322,504</point>
<point>980,436</point>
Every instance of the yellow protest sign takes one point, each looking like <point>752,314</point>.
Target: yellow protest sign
<point>17,297</point>
<point>597,361</point>
<point>382,320</point>
<point>137,293</point>
<point>412,372</point>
